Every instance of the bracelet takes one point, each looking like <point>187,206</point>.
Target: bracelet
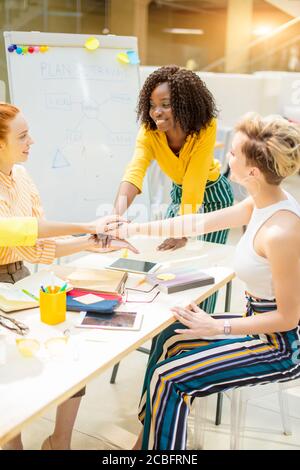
<point>227,327</point>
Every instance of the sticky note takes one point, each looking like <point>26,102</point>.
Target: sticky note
<point>123,58</point>
<point>166,276</point>
<point>88,299</point>
<point>92,44</point>
<point>133,57</point>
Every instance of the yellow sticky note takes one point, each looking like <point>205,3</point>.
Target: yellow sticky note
<point>125,253</point>
<point>123,58</point>
<point>92,44</point>
<point>166,276</point>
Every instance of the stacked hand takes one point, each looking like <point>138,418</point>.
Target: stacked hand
<point>199,323</point>
<point>172,244</point>
<point>106,243</point>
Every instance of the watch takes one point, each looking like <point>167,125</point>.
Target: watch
<point>227,327</point>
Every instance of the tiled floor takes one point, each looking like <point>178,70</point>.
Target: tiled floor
<point>107,417</point>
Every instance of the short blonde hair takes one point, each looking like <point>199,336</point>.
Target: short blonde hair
<point>272,144</point>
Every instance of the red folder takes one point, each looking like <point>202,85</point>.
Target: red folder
<point>79,292</point>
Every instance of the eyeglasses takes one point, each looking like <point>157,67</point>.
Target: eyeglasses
<point>29,347</point>
<point>125,295</point>
<point>14,325</point>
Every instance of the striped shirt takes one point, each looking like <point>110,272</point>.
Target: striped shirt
<point>20,198</point>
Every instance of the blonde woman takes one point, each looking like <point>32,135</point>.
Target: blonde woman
<point>182,365</point>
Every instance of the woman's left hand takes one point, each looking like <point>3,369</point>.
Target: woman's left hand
<point>199,323</point>
<point>105,244</point>
<point>172,244</point>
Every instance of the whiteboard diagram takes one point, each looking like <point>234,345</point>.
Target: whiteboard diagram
<point>80,107</point>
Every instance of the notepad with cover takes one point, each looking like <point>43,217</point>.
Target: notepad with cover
<point>92,301</point>
<point>101,280</point>
<point>178,280</point>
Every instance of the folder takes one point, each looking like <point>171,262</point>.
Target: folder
<point>101,280</point>
<point>92,301</point>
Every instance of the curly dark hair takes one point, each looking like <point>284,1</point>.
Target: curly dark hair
<point>193,105</point>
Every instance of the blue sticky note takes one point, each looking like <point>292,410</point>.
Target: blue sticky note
<point>133,57</point>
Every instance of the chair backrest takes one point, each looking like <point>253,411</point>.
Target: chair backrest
<point>224,136</point>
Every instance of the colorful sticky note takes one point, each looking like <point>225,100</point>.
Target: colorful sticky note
<point>133,57</point>
<point>92,44</point>
<point>123,58</point>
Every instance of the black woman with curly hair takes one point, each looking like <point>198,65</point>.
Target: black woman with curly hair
<point>178,130</point>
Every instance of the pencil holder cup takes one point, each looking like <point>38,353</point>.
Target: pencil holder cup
<point>53,306</point>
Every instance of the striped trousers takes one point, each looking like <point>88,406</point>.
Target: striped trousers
<point>218,195</point>
<point>181,368</point>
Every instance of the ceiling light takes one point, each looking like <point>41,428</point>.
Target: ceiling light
<point>262,31</point>
<point>183,31</point>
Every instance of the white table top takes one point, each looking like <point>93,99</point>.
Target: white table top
<point>29,386</point>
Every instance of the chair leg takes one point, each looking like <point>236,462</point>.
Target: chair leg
<point>200,421</point>
<point>237,419</point>
<point>114,373</point>
<point>284,411</point>
<point>219,409</point>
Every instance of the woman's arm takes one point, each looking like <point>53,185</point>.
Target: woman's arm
<point>126,194</point>
<point>188,225</point>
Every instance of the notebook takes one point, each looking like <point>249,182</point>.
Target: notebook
<point>12,297</point>
<point>101,280</point>
<point>178,280</point>
<point>92,301</point>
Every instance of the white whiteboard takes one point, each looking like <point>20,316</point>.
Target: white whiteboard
<point>80,106</point>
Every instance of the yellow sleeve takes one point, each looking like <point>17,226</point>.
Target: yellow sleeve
<point>196,176</point>
<point>18,231</point>
<point>142,157</point>
<point>43,250</point>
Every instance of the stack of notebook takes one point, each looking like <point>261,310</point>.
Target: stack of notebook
<point>100,280</point>
<point>180,279</point>
<point>79,300</point>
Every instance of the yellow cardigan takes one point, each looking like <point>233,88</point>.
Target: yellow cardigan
<point>192,169</point>
<point>18,231</point>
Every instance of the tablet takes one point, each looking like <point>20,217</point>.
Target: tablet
<point>134,266</point>
<point>117,321</point>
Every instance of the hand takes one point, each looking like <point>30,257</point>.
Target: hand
<point>101,225</point>
<point>105,244</point>
<point>119,229</point>
<point>199,323</point>
<point>172,244</point>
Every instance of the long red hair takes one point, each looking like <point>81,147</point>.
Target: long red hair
<point>7,113</point>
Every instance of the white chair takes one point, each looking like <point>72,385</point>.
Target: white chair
<point>239,400</point>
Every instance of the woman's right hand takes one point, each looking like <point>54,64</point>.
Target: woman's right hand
<point>121,229</point>
<point>101,225</point>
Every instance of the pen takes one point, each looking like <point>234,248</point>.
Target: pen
<point>42,289</point>
<point>141,281</point>
<point>63,288</point>
<point>125,253</point>
<point>30,295</point>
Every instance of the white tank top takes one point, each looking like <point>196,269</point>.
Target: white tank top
<point>251,268</point>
